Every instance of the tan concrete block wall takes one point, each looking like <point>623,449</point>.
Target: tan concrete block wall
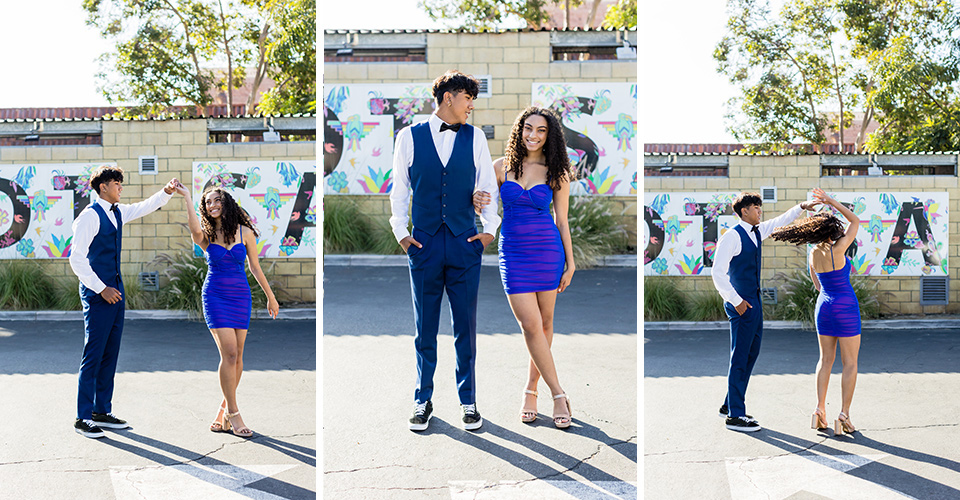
<point>178,143</point>
<point>794,176</point>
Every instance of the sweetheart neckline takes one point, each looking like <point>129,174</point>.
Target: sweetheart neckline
<point>530,188</point>
<point>225,248</point>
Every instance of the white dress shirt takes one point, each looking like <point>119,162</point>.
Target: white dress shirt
<point>403,159</point>
<point>87,226</point>
<point>728,247</point>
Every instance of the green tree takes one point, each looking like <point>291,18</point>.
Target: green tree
<point>798,79</point>
<point>491,14</point>
<point>622,15</point>
<point>287,51</point>
<point>167,52</point>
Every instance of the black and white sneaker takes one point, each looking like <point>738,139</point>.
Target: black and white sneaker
<point>471,417</point>
<point>724,412</point>
<point>743,424</point>
<point>88,428</point>
<point>421,416</point>
<point>109,421</point>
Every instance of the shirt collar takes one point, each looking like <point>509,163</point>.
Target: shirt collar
<point>104,204</point>
<point>747,226</point>
<point>435,123</point>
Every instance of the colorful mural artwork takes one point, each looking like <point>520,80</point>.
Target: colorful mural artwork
<point>600,127</point>
<point>278,195</point>
<point>38,204</point>
<point>360,122</point>
<point>359,127</point>
<point>901,233</point>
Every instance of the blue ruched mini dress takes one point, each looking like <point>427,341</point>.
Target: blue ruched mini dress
<point>226,293</point>
<point>531,252</point>
<point>838,310</point>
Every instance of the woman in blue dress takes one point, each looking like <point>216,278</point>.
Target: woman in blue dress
<point>536,257</point>
<point>837,311</point>
<point>228,239</point>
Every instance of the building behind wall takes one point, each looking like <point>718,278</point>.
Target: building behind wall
<point>372,70</point>
<point>175,145</point>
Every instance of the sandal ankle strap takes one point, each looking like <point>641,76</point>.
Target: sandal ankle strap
<point>561,395</point>
<point>528,391</point>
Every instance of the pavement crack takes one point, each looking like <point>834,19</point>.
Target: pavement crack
<point>373,468</point>
<point>21,462</point>
<point>929,426</point>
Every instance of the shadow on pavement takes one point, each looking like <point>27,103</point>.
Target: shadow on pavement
<point>184,457</point>
<point>884,475</point>
<point>528,463</point>
<point>689,353</point>
<point>301,453</point>
<point>34,347</point>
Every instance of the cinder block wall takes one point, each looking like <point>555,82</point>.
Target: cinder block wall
<point>794,177</point>
<point>177,143</point>
<point>515,59</point>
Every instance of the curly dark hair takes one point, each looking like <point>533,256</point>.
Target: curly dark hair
<point>454,81</point>
<point>745,200</point>
<point>231,216</point>
<point>105,174</point>
<point>554,149</point>
<point>814,229</point>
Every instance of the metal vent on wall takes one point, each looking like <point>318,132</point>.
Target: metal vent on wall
<point>149,281</point>
<point>934,290</point>
<point>768,194</point>
<point>148,165</point>
<point>486,81</point>
<point>768,295</point>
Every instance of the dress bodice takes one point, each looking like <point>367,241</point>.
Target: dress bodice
<point>838,279</point>
<point>538,197</point>
<point>220,259</point>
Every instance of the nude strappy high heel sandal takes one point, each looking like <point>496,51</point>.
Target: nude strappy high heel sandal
<point>243,432</point>
<point>563,421</point>
<point>528,415</point>
<point>844,424</point>
<point>819,420</point>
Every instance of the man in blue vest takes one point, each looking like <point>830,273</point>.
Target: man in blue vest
<point>736,274</point>
<point>441,162</point>
<point>95,259</point>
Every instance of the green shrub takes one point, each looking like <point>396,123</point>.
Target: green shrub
<point>24,285</point>
<point>705,306</point>
<point>798,297</point>
<point>67,294</point>
<point>662,300</point>
<point>185,273</point>
<point>593,230</point>
<point>345,229</point>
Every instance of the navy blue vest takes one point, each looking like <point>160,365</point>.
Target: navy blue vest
<point>442,195</point>
<point>744,269</point>
<point>104,254</point>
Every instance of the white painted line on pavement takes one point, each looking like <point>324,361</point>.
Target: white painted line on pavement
<point>543,490</point>
<point>804,474</point>
<point>192,482</point>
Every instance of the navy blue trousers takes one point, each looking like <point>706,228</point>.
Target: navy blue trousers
<point>450,263</point>
<point>745,334</point>
<point>103,327</point>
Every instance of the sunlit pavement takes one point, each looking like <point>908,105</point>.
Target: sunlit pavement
<point>369,372</point>
<point>167,389</point>
<point>906,407</point>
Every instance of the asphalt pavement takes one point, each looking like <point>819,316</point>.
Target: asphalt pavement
<point>906,407</point>
<point>167,389</point>
<point>369,372</point>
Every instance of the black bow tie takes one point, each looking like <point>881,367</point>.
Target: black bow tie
<point>455,127</point>
<point>114,208</point>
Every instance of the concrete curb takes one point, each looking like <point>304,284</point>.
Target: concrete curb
<point>159,314</point>
<point>870,324</point>
<point>488,260</point>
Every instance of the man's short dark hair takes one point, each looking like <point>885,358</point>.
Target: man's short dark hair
<point>454,81</point>
<point>745,200</point>
<point>104,175</point>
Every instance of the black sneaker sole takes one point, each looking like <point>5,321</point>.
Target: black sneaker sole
<point>107,425</point>
<point>93,435</point>
<point>474,426</point>
<point>421,427</point>
<point>741,428</point>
